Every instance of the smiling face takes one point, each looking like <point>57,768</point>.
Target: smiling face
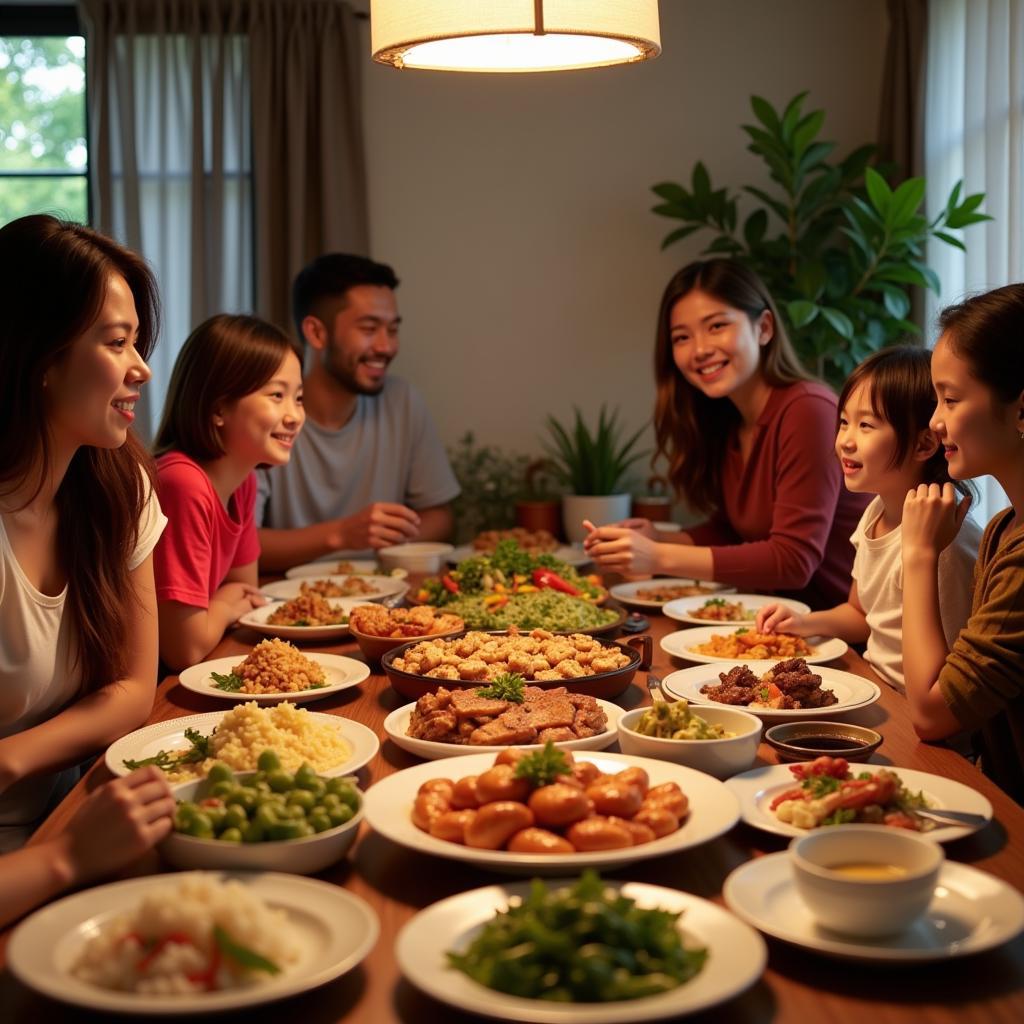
<point>260,428</point>
<point>363,339</point>
<point>716,347</point>
<point>865,444</point>
<point>979,432</point>
<point>92,390</point>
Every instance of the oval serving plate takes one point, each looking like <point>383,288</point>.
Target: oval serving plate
<point>334,930</point>
<point>757,789</point>
<point>682,644</point>
<point>853,691</point>
<point>170,736</point>
<point>339,671</point>
<point>257,620</point>
<point>737,956</point>
<point>396,725</point>
<point>627,592</point>
<point>380,587</point>
<point>683,608</point>
<point>713,811</point>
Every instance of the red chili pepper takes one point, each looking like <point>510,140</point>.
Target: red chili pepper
<point>208,977</point>
<point>179,938</point>
<point>449,584</point>
<point>547,578</point>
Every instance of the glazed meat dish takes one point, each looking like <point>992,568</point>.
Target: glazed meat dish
<point>786,686</point>
<point>534,542</point>
<point>464,716</point>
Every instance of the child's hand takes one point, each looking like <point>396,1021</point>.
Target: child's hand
<point>931,519</point>
<point>117,823</point>
<point>779,618</point>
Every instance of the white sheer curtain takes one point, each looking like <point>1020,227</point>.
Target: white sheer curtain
<point>974,131</point>
<point>171,143</point>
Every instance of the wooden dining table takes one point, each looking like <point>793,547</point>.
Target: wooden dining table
<point>799,986</point>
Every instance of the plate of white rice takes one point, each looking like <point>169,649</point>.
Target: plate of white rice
<point>146,945</point>
<point>330,744</point>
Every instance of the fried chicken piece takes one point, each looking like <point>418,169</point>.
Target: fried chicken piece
<point>468,704</point>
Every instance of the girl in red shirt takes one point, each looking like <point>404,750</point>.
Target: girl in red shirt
<point>234,403</point>
<point>748,436</point>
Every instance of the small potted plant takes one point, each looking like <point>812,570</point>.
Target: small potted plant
<point>540,507</point>
<point>592,467</point>
<point>489,481</point>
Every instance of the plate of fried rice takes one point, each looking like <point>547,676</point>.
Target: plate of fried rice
<point>308,616</point>
<point>274,670</point>
<point>192,943</point>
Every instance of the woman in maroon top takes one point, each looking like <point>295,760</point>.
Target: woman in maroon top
<point>750,439</point>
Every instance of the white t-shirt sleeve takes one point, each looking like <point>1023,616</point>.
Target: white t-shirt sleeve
<point>151,525</point>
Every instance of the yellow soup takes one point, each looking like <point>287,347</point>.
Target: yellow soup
<point>869,871</point>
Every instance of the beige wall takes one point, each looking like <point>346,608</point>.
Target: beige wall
<point>516,208</point>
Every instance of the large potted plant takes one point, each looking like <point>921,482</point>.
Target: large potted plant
<point>837,246</point>
<point>592,467</point>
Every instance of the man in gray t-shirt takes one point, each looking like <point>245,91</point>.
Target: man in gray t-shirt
<point>368,469</point>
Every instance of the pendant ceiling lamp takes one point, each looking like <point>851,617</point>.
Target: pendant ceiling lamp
<point>513,35</point>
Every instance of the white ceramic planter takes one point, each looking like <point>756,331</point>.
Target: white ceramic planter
<point>600,509</point>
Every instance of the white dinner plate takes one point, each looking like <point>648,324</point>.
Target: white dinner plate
<point>736,958</point>
<point>381,587</point>
<point>713,811</point>
<point>571,554</point>
<point>626,592</point>
<point>334,929</point>
<point>852,691</point>
<point>681,644</point>
<point>257,620</point>
<point>757,788</point>
<point>683,608</point>
<point>170,736</point>
<point>971,911</point>
<point>360,567</point>
<point>396,725</point>
<point>340,673</point>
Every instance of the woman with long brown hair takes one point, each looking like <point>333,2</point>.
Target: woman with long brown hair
<point>78,516</point>
<point>749,438</point>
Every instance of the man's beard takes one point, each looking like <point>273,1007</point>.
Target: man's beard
<point>349,381</point>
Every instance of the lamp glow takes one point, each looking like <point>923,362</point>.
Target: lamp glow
<point>513,35</point>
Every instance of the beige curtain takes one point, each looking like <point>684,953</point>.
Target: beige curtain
<point>225,140</point>
<point>901,113</point>
<point>308,155</point>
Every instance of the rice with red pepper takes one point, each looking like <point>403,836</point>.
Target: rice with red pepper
<point>168,946</point>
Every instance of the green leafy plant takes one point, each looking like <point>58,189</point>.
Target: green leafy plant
<point>837,246</point>
<point>490,482</point>
<point>589,463</point>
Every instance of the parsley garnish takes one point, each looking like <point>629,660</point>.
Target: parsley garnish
<point>231,682</point>
<point>508,686</point>
<point>544,766</point>
<point>167,761</point>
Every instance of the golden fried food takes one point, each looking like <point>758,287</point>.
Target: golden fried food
<point>746,643</point>
<point>351,586</point>
<point>538,655</point>
<point>399,623</point>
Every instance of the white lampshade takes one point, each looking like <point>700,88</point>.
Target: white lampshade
<point>513,35</point>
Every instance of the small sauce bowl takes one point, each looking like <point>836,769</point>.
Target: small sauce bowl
<point>804,741</point>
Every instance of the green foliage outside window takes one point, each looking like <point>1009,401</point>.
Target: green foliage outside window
<point>42,127</point>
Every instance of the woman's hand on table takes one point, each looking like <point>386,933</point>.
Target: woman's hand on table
<point>621,549</point>
<point>118,823</point>
<point>931,519</point>
<point>642,526</point>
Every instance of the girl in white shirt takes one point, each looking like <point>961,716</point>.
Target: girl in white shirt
<point>886,448</point>
<point>78,515</point>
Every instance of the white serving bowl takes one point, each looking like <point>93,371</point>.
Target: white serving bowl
<point>295,856</point>
<point>867,908</point>
<point>721,758</point>
<point>418,556</point>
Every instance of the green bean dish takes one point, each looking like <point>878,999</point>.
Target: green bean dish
<point>584,943</point>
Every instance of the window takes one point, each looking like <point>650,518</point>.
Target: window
<point>43,151</point>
